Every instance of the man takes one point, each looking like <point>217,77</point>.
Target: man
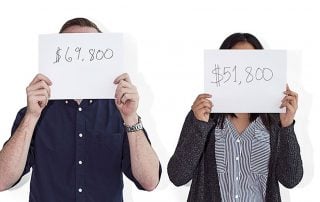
<point>78,149</point>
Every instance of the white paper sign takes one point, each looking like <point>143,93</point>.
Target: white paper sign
<point>81,65</point>
<point>245,81</point>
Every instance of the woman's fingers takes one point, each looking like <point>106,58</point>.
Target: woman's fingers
<point>203,101</point>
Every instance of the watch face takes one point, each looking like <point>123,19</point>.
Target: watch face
<point>135,127</point>
<point>139,126</point>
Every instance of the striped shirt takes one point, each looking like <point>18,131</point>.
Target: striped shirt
<point>242,161</point>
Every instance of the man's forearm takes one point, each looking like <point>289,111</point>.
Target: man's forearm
<point>144,161</point>
<point>13,155</point>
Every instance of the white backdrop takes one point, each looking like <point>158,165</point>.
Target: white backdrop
<point>166,40</point>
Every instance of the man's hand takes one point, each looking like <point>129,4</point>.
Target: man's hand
<point>38,93</point>
<point>127,99</point>
<point>290,102</point>
<point>202,107</point>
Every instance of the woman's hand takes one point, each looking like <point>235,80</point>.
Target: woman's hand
<point>290,102</point>
<point>202,107</point>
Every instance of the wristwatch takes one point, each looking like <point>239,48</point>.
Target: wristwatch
<point>134,128</point>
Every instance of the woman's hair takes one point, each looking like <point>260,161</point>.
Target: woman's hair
<point>82,22</point>
<point>267,118</point>
<point>235,38</point>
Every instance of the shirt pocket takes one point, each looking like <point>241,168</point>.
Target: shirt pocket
<point>260,152</point>
<point>104,152</point>
<point>113,142</point>
<point>105,140</point>
<point>220,151</point>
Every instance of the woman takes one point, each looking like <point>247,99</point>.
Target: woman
<point>237,157</point>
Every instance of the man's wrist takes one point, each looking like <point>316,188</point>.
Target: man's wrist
<point>32,116</point>
<point>28,124</point>
<point>134,127</point>
<point>131,120</point>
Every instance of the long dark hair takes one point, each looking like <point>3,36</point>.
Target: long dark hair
<point>267,118</point>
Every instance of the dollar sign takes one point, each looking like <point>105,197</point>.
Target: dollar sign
<point>217,76</point>
<point>58,56</point>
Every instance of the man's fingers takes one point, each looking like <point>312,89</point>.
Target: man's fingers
<point>41,92</point>
<point>124,76</point>
<point>124,84</point>
<point>40,77</point>
<point>39,85</point>
<point>129,96</point>
<point>124,87</point>
<point>124,91</point>
<point>42,100</point>
<point>121,91</point>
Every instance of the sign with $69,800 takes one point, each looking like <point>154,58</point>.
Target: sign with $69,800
<point>245,81</point>
<point>81,65</point>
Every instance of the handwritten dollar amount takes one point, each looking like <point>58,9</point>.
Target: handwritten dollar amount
<point>227,74</point>
<point>69,54</point>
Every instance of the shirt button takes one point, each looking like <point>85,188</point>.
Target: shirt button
<point>80,162</point>
<point>237,158</point>
<point>80,109</point>
<point>90,101</point>
<point>66,101</point>
<point>237,178</point>
<point>238,140</point>
<point>80,135</point>
<point>80,190</point>
<point>237,196</point>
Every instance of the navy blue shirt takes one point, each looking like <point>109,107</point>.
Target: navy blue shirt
<point>78,153</point>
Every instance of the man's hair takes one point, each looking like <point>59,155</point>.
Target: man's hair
<point>82,22</point>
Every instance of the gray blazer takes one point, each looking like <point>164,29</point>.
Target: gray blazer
<point>194,159</point>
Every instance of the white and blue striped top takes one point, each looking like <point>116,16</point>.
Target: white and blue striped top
<point>242,161</point>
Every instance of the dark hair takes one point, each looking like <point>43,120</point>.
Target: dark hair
<point>267,118</point>
<point>82,22</point>
<point>235,38</point>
